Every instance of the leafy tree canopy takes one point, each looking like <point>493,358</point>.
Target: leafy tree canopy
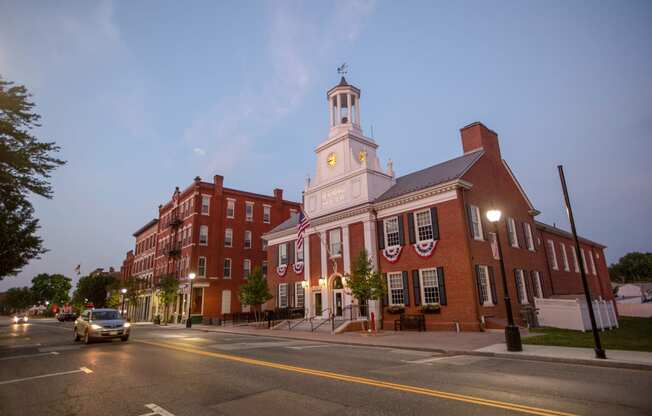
<point>19,298</point>
<point>95,287</point>
<point>255,292</point>
<point>632,267</point>
<point>365,283</point>
<point>51,287</point>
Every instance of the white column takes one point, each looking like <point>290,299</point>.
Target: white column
<point>370,241</point>
<point>357,111</point>
<point>346,255</point>
<point>306,276</point>
<point>330,112</point>
<point>349,115</point>
<point>339,110</point>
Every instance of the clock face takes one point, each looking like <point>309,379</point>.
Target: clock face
<point>331,160</point>
<point>362,156</point>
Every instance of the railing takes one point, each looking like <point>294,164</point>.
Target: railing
<point>280,314</point>
<point>331,317</point>
<point>173,250</point>
<point>355,312</point>
<point>291,326</point>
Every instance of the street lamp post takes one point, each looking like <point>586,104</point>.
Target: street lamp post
<point>512,334</point>
<point>124,292</point>
<point>191,276</point>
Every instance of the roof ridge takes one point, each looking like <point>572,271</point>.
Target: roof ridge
<point>478,150</point>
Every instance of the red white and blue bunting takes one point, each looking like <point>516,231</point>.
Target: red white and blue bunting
<point>298,267</point>
<point>425,248</point>
<point>392,253</point>
<point>282,270</point>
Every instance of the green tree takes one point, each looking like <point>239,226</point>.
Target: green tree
<point>95,287</point>
<point>255,292</point>
<point>18,298</point>
<point>51,287</point>
<point>168,286</point>
<point>25,167</point>
<point>632,267</point>
<point>365,283</point>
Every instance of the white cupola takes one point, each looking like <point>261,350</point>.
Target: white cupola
<point>344,103</point>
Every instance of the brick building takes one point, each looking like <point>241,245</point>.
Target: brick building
<point>426,232</point>
<point>212,231</point>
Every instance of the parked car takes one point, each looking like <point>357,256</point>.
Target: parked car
<point>20,319</point>
<point>103,323</point>
<point>66,316</point>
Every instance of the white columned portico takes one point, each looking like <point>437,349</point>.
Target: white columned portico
<point>325,299</point>
<point>370,243</point>
<point>346,255</point>
<point>307,298</point>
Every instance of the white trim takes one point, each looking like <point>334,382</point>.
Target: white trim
<point>489,301</point>
<point>552,254</point>
<point>529,239</point>
<point>228,202</point>
<point>422,288</point>
<point>475,210</point>
<point>539,293</point>
<point>279,258</point>
<point>230,268</point>
<point>414,205</point>
<point>199,274</point>
<point>203,227</point>
<point>521,287</point>
<point>298,287</point>
<point>249,204</point>
<point>244,269</point>
<point>201,206</point>
<point>287,295</point>
<point>513,233</point>
<point>416,225</point>
<point>389,287</point>
<point>564,257</point>
<point>518,185</point>
<point>228,231</point>
<point>251,242</point>
<point>592,263</point>
<point>385,233</point>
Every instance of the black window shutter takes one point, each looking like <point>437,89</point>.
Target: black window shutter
<point>401,236</point>
<point>477,282</point>
<point>386,300</point>
<point>275,262</point>
<point>406,290</point>
<point>411,234</point>
<point>442,285</point>
<point>469,215</point>
<point>290,294</point>
<point>435,223</point>
<point>417,288</point>
<point>380,228</point>
<point>518,292</point>
<point>492,283</point>
<point>290,252</point>
<point>278,295</point>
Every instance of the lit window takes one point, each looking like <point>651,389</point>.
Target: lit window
<point>476,223</point>
<point>529,241</point>
<point>520,287</point>
<point>300,295</point>
<point>423,222</point>
<point>249,211</point>
<point>536,282</point>
<point>511,232</point>
<point>552,255</point>
<point>247,239</point>
<point>230,208</point>
<point>246,267</point>
<point>205,205</point>
<point>267,214</point>
<point>227,268</point>
<point>203,235</point>
<point>201,267</point>
<point>335,242</point>
<point>395,286</point>
<point>228,237</point>
<point>392,237</point>
<point>429,286</point>
<point>282,254</point>
<point>283,295</point>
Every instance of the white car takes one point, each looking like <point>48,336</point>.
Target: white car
<point>101,324</point>
<point>20,319</point>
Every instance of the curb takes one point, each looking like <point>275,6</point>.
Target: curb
<point>539,358</point>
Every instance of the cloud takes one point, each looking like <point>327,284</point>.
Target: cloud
<point>298,45</point>
<point>199,151</point>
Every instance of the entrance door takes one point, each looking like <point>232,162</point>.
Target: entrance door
<point>318,306</point>
<point>338,299</point>
<point>226,301</point>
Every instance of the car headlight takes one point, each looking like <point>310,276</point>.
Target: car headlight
<point>96,326</point>
<point>127,325</point>
<point>25,319</point>
<point>15,319</point>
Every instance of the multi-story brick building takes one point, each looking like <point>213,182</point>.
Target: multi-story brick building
<point>212,231</point>
<point>426,232</point>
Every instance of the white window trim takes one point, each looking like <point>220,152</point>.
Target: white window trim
<point>389,288</point>
<point>564,257</point>
<point>475,211</point>
<point>279,260</point>
<point>298,288</point>
<point>230,268</point>
<point>267,208</point>
<point>298,251</point>
<point>244,269</point>
<point>422,288</point>
<point>228,231</point>
<point>203,227</point>
<point>251,242</point>
<point>490,297</point>
<point>280,297</point>
<point>540,286</point>
<point>553,255</point>
<point>330,243</point>
<point>522,288</point>
<point>576,263</point>
<point>513,234</point>
<point>416,225</point>
<point>529,239</point>
<point>592,263</point>
<point>385,233</point>
<point>201,208</point>
<point>586,269</point>
<point>249,204</point>
<point>228,202</point>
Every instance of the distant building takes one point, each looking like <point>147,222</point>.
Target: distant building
<point>634,293</point>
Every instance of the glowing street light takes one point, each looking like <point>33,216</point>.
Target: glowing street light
<point>191,276</point>
<point>512,334</point>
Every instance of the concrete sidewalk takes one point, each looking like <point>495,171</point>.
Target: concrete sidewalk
<point>489,344</point>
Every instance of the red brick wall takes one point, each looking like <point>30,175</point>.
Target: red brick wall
<point>356,240</point>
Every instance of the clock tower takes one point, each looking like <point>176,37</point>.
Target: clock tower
<point>348,169</point>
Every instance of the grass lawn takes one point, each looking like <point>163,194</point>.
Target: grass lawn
<point>634,334</point>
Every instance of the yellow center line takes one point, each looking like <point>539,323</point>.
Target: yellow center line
<point>367,381</point>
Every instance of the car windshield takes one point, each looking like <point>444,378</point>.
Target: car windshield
<point>105,315</point>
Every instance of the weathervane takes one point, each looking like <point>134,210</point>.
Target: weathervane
<point>342,69</point>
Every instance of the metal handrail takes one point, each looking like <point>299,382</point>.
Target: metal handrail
<point>331,318</point>
<point>290,326</point>
<point>318,314</point>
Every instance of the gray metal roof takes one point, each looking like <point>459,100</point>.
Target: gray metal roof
<point>554,230</point>
<point>289,223</point>
<point>434,175</point>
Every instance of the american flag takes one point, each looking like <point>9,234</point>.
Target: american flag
<point>304,223</point>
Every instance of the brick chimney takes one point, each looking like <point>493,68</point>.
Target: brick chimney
<point>218,181</point>
<point>278,194</point>
<point>477,136</point>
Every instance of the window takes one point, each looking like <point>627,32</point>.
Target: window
<point>299,252</point>
<point>227,268</point>
<point>586,269</point>
<point>282,254</point>
<point>511,232</point>
<point>476,222</point>
<point>201,267</point>
<point>230,208</point>
<point>520,287</point>
<point>529,241</point>
<point>228,237</point>
<point>484,285</point>
<point>575,263</point>
<point>283,295</point>
<point>246,267</point>
<point>335,242</point>
<point>300,295</point>
<point>205,204</point>
<point>494,246</point>
<point>552,255</point>
<point>536,283</point>
<point>592,262</point>
<point>203,235</point>
<point>249,211</point>
<point>247,239</point>
<point>424,225</point>
<point>395,287</point>
<point>392,237</point>
<point>267,214</point>
<point>564,257</point>
<point>264,268</point>
<point>263,243</point>
<point>429,286</point>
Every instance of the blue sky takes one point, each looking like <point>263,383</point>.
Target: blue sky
<point>144,96</point>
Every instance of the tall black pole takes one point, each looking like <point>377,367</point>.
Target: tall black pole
<point>599,352</point>
<point>188,320</point>
<point>512,333</point>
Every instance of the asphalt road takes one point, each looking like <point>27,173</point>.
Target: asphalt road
<point>166,371</point>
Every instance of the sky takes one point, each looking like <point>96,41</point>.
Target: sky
<point>144,96</point>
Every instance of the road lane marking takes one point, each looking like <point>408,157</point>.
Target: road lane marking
<point>367,381</point>
<point>426,360</point>
<point>156,410</point>
<point>303,347</point>
<point>16,357</point>
<point>62,373</point>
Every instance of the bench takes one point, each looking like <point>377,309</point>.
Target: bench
<point>406,322</point>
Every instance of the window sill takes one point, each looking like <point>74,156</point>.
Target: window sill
<point>337,256</point>
<point>424,241</point>
<point>488,305</point>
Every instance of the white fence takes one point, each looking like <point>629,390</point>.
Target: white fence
<point>574,314</point>
<point>642,310</point>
